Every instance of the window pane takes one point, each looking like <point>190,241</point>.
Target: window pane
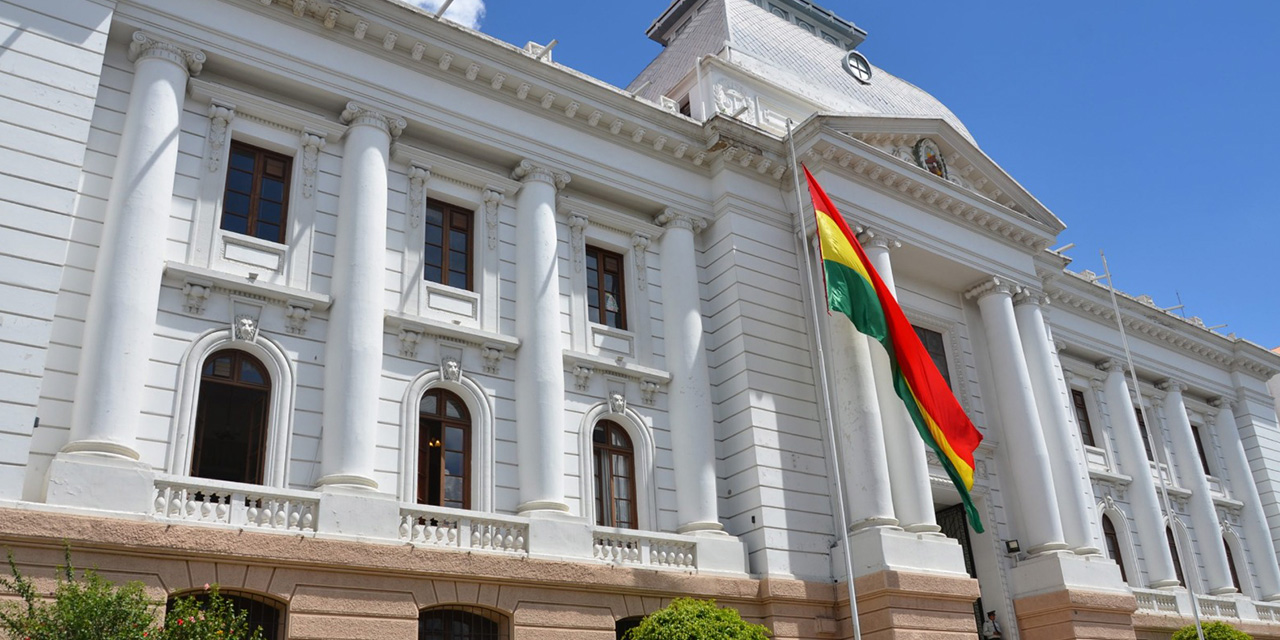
<point>268,231</point>
<point>250,374</point>
<point>435,218</point>
<point>598,435</point>
<point>242,159</point>
<point>453,488</point>
<point>454,408</point>
<point>222,366</point>
<point>237,203</point>
<point>268,212</point>
<point>273,189</point>
<point>453,463</point>
<point>457,240</point>
<point>457,280</point>
<point>429,404</point>
<point>453,439</point>
<point>239,181</point>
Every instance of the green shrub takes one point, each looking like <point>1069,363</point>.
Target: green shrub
<point>1212,631</point>
<point>690,619</point>
<point>206,617</point>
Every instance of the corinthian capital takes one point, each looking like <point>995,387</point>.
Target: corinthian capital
<point>671,218</point>
<point>528,170</point>
<point>145,45</point>
<point>1028,296</point>
<point>873,238</point>
<point>1111,365</point>
<point>992,286</point>
<point>1169,385</point>
<point>359,114</point>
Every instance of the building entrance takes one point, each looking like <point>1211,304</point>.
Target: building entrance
<point>955,526</point>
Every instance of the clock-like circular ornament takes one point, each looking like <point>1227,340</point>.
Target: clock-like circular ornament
<point>857,66</point>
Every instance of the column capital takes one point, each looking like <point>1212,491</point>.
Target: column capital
<point>1223,402</point>
<point>670,218</point>
<point>1170,385</point>
<point>362,114</point>
<point>145,45</point>
<point>529,170</point>
<point>992,286</point>
<point>1026,295</point>
<point>1111,365</point>
<point>871,237</point>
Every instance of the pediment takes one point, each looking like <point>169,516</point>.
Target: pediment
<point>933,145</point>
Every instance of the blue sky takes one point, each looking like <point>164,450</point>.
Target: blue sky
<point>1151,128</point>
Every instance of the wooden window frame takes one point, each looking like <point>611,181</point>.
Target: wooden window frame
<point>601,255</point>
<point>1112,540</point>
<point>450,215</point>
<point>1231,564</point>
<point>425,448</point>
<point>1173,551</point>
<point>605,486</point>
<point>1082,418</point>
<point>238,357</point>
<point>255,191</point>
<point>1200,450</point>
<point>1146,435</point>
<point>938,357</point>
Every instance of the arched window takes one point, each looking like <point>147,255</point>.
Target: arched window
<point>461,623</point>
<point>262,612</point>
<point>444,450</point>
<point>1113,545</point>
<point>624,625</point>
<point>615,476</point>
<point>231,418</point>
<point>1173,551</point>
<point>1231,562</point>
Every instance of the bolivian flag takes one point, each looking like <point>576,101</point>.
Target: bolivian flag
<point>856,290</point>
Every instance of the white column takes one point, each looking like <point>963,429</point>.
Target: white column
<point>1023,438</point>
<point>1074,494</point>
<point>689,395</point>
<point>905,449</point>
<point>540,361</point>
<point>353,346</point>
<point>1147,514</point>
<point>1204,517</point>
<point>120,321</point>
<point>1243,488</point>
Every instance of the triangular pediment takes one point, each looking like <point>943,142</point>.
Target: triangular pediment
<point>934,146</point>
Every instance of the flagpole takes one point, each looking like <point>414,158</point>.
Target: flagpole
<point>841,518</point>
<point>1162,465</point>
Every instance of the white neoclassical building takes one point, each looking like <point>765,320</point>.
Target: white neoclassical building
<point>389,327</point>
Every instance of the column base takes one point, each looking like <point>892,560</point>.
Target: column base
<point>719,552</point>
<point>1074,614</point>
<point>103,482</point>
<point>1055,572</point>
<point>892,549</point>
<point>357,513</point>
<point>899,604</point>
<point>702,526</point>
<point>535,506</point>
<point>1170,583</point>
<point>346,481</point>
<point>1088,551</point>
<point>1048,547</point>
<point>555,535</point>
<point>102,448</point>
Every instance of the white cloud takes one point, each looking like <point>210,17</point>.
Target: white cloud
<point>464,12</point>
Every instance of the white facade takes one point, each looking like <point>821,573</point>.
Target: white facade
<point>119,282</point>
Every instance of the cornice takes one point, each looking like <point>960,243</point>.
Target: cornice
<point>607,216</point>
<point>865,162</point>
<point>464,172</point>
<point>247,103</point>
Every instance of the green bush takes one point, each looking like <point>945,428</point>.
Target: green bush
<point>1212,631</point>
<point>90,607</point>
<point>690,619</point>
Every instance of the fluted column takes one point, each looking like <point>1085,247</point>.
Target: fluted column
<point>1074,494</point>
<point>120,321</point>
<point>353,346</point>
<point>908,466</point>
<point>689,395</point>
<point>1204,517</point>
<point>1243,488</point>
<point>1023,438</point>
<point>540,363</point>
<point>1147,514</point>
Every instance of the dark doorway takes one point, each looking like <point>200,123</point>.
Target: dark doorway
<point>231,418</point>
<point>955,525</point>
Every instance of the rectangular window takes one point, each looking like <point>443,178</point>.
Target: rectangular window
<point>1204,459</point>
<point>936,348</point>
<point>1142,428</point>
<point>447,246</point>
<point>605,298</point>
<point>1082,417</point>
<point>256,197</point>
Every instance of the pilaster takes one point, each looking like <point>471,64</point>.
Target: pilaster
<point>1245,489</point>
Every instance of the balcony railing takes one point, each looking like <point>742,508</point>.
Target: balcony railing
<point>646,549</point>
<point>1268,612</point>
<point>1158,601</point>
<point>234,504</point>
<point>458,529</point>
<point>1212,607</point>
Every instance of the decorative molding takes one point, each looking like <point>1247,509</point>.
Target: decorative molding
<point>572,110</point>
<point>296,314</point>
<point>991,286</point>
<point>450,369</point>
<point>522,91</point>
<point>617,404</point>
<point>878,239</point>
<point>1170,385</point>
<point>473,71</point>
<point>594,118</point>
<point>220,117</point>
<point>528,170</point>
<point>312,144</point>
<point>639,251</point>
<point>492,201</point>
<point>577,240</point>
<point>358,114</point>
<point>648,391</point>
<point>637,135</point>
<point>196,293</point>
<point>145,45</point>
<point>671,218</point>
<point>548,99</point>
<point>461,334</point>
<point>361,28</point>
<point>496,81</point>
<point>581,377</point>
<point>1028,296</point>
<point>445,61</point>
<point>220,282</point>
<point>492,353</point>
<point>389,40</point>
<point>244,327</point>
<point>409,340</point>
<point>418,177</point>
<point>419,48</point>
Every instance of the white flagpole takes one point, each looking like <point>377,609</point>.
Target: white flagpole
<point>1162,466</point>
<point>841,518</point>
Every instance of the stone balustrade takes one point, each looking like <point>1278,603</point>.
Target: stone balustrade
<point>647,549</point>
<point>460,529</point>
<point>234,504</point>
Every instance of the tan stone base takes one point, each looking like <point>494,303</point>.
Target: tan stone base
<point>1160,626</point>
<point>895,605</point>
<point>1076,615</point>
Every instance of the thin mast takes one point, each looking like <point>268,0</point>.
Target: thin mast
<point>1162,465</point>
<point>841,518</point>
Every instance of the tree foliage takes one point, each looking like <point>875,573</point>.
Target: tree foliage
<point>691,619</point>
<point>1212,631</point>
<point>90,607</point>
